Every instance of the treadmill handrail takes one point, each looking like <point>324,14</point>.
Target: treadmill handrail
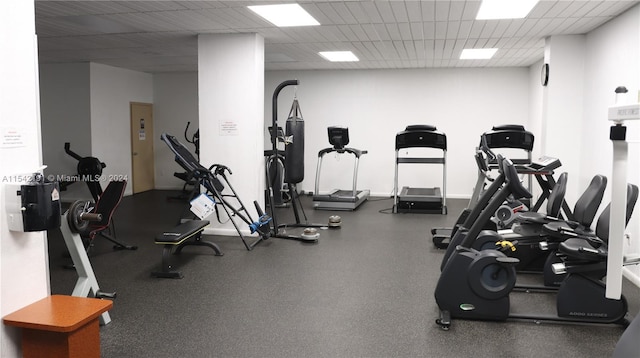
<point>356,152</point>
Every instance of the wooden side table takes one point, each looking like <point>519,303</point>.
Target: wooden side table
<point>60,326</point>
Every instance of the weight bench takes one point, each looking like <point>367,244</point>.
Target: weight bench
<point>179,237</point>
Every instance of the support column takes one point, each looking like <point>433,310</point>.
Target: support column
<point>231,111</point>
<point>563,113</point>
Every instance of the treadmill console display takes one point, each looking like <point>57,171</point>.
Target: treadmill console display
<point>545,163</point>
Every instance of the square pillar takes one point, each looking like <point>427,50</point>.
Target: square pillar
<point>231,111</point>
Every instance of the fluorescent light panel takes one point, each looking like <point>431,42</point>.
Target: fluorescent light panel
<point>285,15</point>
<point>339,56</point>
<point>505,9</point>
<point>477,53</point>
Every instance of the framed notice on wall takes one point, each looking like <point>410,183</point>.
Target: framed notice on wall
<point>12,137</point>
<point>228,128</point>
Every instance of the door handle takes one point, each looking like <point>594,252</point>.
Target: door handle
<point>135,153</point>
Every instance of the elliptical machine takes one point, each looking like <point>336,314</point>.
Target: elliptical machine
<point>89,171</point>
<point>499,137</point>
<point>476,284</point>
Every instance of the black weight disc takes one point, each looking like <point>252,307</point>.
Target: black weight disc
<point>73,217</point>
<point>491,279</point>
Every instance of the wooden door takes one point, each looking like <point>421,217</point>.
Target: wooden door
<point>142,169</point>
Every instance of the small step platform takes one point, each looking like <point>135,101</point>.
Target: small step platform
<point>185,234</point>
<point>60,326</point>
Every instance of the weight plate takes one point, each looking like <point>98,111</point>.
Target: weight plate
<point>73,217</point>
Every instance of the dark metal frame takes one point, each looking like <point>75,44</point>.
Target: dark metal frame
<point>210,180</point>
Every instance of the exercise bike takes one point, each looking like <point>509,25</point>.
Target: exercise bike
<point>531,230</point>
<point>476,284</point>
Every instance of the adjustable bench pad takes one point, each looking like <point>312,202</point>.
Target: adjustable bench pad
<point>181,232</point>
<point>177,238</point>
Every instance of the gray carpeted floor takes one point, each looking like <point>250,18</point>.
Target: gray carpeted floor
<point>365,290</point>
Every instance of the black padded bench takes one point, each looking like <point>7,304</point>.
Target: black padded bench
<point>185,234</point>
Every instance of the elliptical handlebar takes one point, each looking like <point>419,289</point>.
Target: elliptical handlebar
<point>67,149</point>
<point>491,156</point>
<point>507,183</point>
<point>76,156</point>
<point>512,180</point>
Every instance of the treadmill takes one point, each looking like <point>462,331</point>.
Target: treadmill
<point>339,199</point>
<point>508,136</point>
<point>420,200</point>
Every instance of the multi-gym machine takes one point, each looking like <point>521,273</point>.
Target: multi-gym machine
<point>339,199</point>
<point>420,200</point>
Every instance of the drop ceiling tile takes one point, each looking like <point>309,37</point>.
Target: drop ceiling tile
<point>399,10</point>
<point>386,33</point>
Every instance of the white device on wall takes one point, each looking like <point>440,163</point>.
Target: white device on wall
<point>31,203</point>
<point>618,113</point>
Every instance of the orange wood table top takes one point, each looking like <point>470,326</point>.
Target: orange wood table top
<point>58,313</point>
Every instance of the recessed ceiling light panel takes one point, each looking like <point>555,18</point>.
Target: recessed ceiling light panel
<point>285,15</point>
<point>505,9</point>
<point>339,56</point>
<point>477,53</point>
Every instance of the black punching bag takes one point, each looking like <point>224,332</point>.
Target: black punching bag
<point>294,146</point>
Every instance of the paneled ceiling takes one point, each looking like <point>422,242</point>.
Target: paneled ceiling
<point>161,36</point>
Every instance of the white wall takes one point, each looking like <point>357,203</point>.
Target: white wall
<point>66,117</point>
<point>562,108</point>
<point>612,59</point>
<point>112,90</point>
<point>535,107</point>
<point>535,125</point>
<point>24,276</point>
<point>87,104</point>
<point>377,104</point>
<point>176,103</point>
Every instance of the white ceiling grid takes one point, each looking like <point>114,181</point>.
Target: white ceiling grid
<point>161,36</point>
